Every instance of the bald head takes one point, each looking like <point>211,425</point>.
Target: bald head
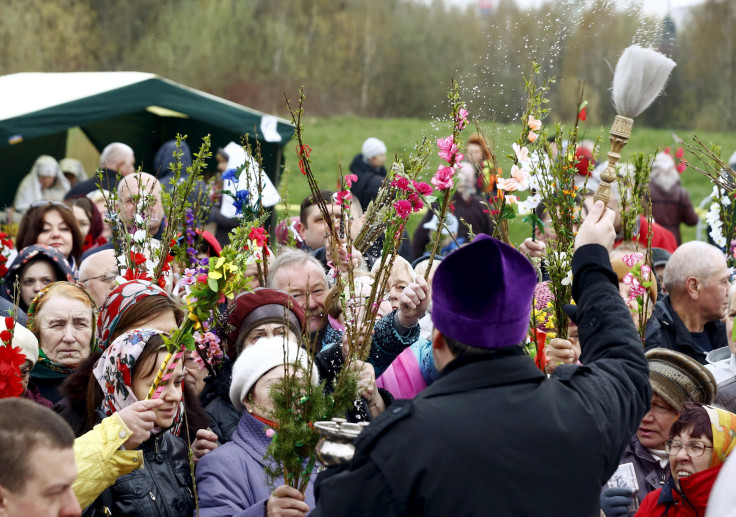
<point>138,193</point>
<point>693,259</point>
<point>97,273</point>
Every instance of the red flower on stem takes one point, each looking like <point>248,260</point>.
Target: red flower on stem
<point>403,208</point>
<point>303,152</point>
<point>137,258</point>
<point>583,114</point>
<point>259,235</point>
<point>11,359</point>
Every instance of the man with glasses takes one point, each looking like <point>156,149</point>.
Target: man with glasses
<point>97,274</point>
<point>675,379</point>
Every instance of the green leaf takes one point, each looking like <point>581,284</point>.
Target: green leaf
<point>430,199</point>
<point>212,283</point>
<point>508,212</point>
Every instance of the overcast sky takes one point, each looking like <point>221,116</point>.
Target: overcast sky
<point>659,7</point>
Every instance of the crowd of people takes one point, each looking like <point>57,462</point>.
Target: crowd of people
<point>461,420</point>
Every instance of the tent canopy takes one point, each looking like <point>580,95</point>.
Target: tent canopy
<point>138,109</point>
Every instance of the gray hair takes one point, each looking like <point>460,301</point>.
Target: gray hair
<point>114,153</point>
<point>693,259</point>
<point>291,257</point>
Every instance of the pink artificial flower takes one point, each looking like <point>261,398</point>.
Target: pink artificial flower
<point>448,149</point>
<point>628,279</point>
<point>350,179</point>
<point>633,259</point>
<point>522,153</point>
<point>645,270</point>
<point>532,137</point>
<point>534,124</point>
<point>401,184</point>
<point>416,203</point>
<point>403,208</point>
<point>343,196</point>
<point>423,188</point>
<point>443,178</point>
<point>461,120</point>
<point>519,180</point>
<point>511,200</point>
<point>202,278</point>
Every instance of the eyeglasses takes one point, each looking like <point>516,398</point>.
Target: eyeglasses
<point>45,202</point>
<point>693,449</point>
<point>108,277</point>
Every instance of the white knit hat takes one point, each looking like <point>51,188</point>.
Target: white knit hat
<point>372,147</point>
<point>23,338</point>
<point>258,359</point>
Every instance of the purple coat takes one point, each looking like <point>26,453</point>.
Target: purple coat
<point>231,480</point>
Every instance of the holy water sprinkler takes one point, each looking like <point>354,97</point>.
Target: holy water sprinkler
<point>640,76</point>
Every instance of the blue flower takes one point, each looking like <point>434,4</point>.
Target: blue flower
<point>241,198</point>
<point>229,175</point>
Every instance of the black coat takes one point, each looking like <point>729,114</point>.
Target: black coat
<point>665,329</point>
<point>369,180</point>
<point>162,487</point>
<point>109,182</point>
<point>495,436</point>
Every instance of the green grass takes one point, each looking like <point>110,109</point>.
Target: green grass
<point>336,140</point>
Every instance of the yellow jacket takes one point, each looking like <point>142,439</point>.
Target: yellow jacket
<point>100,461</point>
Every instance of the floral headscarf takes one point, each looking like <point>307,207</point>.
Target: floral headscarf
<point>113,372</point>
<point>27,255</point>
<point>723,425</point>
<point>117,302</point>
<point>45,367</point>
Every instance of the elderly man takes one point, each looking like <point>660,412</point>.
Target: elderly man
<point>37,456</point>
<point>301,275</point>
<point>116,157</point>
<point>689,318</point>
<point>97,273</point>
<point>493,435</point>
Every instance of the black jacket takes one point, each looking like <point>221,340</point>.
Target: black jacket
<point>369,180</point>
<point>665,329</point>
<point>494,436</point>
<point>224,417</point>
<point>162,487</point>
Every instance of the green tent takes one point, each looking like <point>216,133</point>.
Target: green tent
<point>139,109</point>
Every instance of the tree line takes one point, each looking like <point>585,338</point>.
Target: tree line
<point>385,58</point>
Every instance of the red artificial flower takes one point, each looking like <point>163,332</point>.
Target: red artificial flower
<point>202,278</point>
<point>137,258</point>
<point>161,282</point>
<point>136,274</point>
<point>9,322</point>
<point>416,203</point>
<point>403,208</point>
<point>303,151</point>
<point>401,184</point>
<point>260,236</point>
<point>11,359</point>
<point>350,179</point>
<point>424,189</point>
<point>6,337</point>
<point>583,114</point>
<point>342,196</point>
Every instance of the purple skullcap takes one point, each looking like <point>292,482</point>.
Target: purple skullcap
<point>482,294</point>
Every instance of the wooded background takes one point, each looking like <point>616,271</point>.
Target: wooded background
<point>384,58</point>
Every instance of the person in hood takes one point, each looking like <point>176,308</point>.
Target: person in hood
<point>45,181</point>
<point>370,169</point>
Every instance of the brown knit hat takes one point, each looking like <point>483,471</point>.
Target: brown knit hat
<point>678,378</point>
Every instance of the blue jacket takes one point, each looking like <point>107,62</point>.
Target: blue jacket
<point>231,480</point>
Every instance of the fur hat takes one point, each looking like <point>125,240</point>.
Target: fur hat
<point>257,360</point>
<point>260,306</point>
<point>495,312</point>
<point>372,147</point>
<point>678,379</point>
<point>23,338</point>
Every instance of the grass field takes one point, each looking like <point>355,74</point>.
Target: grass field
<point>336,140</point>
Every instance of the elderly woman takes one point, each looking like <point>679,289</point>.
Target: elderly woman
<point>35,267</point>
<point>132,305</point>
<point>62,317</point>
<point>676,380</point>
<point>45,181</point>
<point>263,313</point>
<point>699,442</point>
<point>232,480</point>
<point>53,224</point>
<point>124,374</point>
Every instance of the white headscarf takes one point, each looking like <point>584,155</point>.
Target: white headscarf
<point>30,189</point>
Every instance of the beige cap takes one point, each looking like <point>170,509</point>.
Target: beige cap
<point>678,378</point>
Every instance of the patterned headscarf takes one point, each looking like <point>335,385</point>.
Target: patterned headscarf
<point>723,425</point>
<point>45,367</point>
<point>31,254</point>
<point>117,302</point>
<point>113,372</point>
